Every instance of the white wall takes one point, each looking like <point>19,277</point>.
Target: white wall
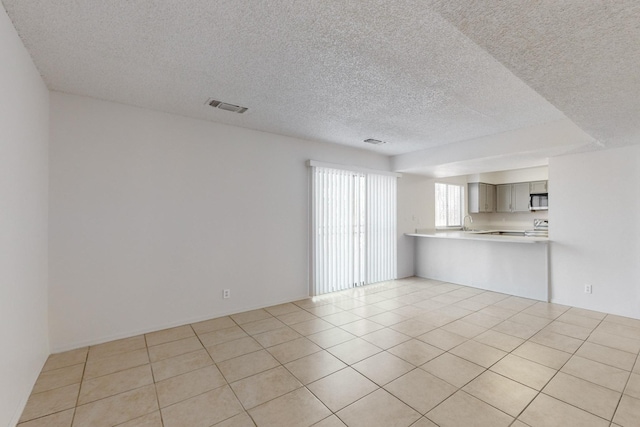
<point>416,205</point>
<point>23,223</point>
<point>595,230</point>
<point>152,215</point>
<point>415,211</point>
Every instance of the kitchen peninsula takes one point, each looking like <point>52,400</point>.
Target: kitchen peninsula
<point>514,265</point>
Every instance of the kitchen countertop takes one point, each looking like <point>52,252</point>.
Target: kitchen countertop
<point>474,235</point>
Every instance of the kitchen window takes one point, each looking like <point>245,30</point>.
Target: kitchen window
<point>449,205</point>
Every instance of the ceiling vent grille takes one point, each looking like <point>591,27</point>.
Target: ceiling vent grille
<point>227,107</point>
<point>374,141</point>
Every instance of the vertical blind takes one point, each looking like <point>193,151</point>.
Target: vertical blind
<point>381,228</point>
<point>354,229</point>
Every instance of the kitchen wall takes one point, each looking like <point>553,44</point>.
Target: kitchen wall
<point>416,211</point>
<point>507,221</point>
<point>595,230</point>
<point>516,220</point>
<point>416,208</point>
<point>152,215</point>
<point>23,223</point>
<point>419,207</point>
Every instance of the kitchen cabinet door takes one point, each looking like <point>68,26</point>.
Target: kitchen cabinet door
<point>503,198</point>
<point>481,197</point>
<point>538,187</point>
<point>520,197</point>
<point>490,199</point>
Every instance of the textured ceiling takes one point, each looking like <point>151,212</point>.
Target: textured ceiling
<point>583,56</point>
<point>428,77</point>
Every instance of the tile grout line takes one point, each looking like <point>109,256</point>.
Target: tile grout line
<point>538,392</point>
<point>153,378</point>
<point>84,368</point>
<point>624,389</point>
<point>460,389</point>
<point>225,379</point>
<point>446,351</point>
<point>541,391</point>
<point>200,394</point>
<point>378,386</point>
<point>465,341</point>
<point>344,301</point>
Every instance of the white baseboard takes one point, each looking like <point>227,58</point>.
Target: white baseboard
<point>25,393</point>
<point>159,327</point>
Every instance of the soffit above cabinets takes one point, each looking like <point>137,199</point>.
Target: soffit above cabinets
<point>427,78</point>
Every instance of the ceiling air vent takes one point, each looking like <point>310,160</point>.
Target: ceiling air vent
<point>227,107</point>
<point>374,141</point>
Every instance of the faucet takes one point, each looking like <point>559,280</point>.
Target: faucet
<point>464,228</point>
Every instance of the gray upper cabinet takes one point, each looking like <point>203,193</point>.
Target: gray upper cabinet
<point>490,198</point>
<point>503,198</point>
<point>512,197</point>
<point>481,197</point>
<point>538,187</point>
<point>520,197</point>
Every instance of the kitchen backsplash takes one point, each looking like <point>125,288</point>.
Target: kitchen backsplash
<point>508,221</point>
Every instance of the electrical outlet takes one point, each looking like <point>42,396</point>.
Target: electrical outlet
<point>587,289</point>
<point>226,293</point>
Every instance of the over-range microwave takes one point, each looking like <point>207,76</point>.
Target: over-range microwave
<point>539,202</point>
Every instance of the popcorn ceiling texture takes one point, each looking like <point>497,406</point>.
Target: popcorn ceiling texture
<point>417,74</point>
<point>583,55</point>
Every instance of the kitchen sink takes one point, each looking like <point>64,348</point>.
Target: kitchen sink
<point>508,233</point>
<point>499,232</point>
<point>528,233</point>
<point>505,233</point>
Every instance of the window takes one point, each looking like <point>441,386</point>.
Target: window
<point>449,205</point>
<point>354,228</point>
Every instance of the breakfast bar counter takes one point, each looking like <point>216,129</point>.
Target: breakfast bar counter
<point>508,237</point>
<point>514,265</point>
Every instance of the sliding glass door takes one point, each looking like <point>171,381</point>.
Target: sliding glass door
<point>354,229</point>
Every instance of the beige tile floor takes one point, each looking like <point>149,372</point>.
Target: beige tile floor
<point>411,352</point>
